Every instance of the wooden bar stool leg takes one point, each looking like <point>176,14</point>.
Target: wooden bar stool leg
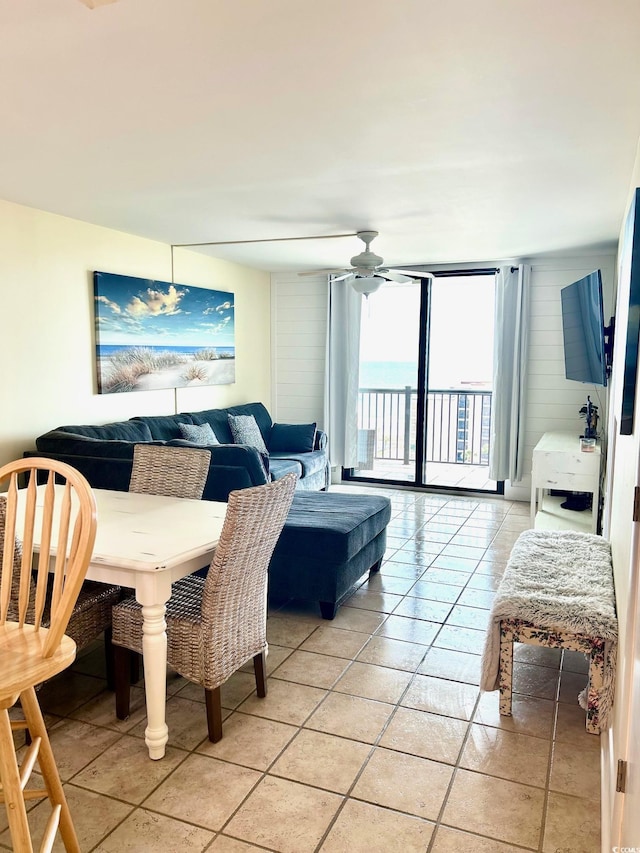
<point>11,789</point>
<point>49,770</point>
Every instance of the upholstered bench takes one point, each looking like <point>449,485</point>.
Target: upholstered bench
<point>557,591</point>
<point>329,540</point>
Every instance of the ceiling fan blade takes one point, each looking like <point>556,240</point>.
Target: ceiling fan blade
<point>392,275</point>
<point>344,277</point>
<point>413,273</point>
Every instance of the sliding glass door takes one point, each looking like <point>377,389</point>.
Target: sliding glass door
<point>424,403</point>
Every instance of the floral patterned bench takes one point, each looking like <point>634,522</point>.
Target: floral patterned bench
<point>557,591</point>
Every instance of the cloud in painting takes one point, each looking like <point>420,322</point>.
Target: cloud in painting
<point>153,303</point>
<point>218,309</point>
<point>113,305</point>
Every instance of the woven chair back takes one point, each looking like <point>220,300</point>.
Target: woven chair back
<point>50,528</point>
<point>178,472</point>
<point>234,601</point>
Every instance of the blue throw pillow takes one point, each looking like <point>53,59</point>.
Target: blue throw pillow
<point>292,438</point>
<point>245,430</point>
<point>198,433</point>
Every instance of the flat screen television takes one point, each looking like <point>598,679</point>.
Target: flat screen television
<point>585,349</point>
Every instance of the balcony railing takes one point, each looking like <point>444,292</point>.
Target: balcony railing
<point>457,426</point>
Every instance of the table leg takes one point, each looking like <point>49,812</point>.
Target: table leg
<point>154,657</point>
<point>153,593</point>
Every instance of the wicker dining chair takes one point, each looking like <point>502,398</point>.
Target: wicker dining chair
<point>63,526</point>
<point>179,472</point>
<point>216,624</point>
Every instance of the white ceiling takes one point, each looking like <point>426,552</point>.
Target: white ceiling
<point>461,130</point>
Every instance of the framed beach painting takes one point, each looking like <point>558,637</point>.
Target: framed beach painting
<point>156,334</point>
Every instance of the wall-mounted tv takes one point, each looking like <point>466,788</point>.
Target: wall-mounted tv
<point>587,344</point>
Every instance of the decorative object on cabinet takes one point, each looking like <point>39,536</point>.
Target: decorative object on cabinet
<point>590,414</point>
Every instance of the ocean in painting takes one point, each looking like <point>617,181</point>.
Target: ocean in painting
<point>107,350</point>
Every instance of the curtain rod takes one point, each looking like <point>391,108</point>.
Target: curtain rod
<point>477,271</point>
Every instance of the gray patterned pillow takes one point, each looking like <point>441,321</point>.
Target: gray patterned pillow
<point>198,433</point>
<point>245,430</point>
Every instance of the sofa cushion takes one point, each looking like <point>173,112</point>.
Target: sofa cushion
<point>331,528</point>
<point>218,418</point>
<point>119,431</point>
<point>292,438</point>
<point>163,427</point>
<point>310,463</point>
<point>279,467</point>
<point>198,433</point>
<point>245,430</point>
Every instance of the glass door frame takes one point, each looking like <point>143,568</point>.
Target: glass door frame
<point>348,474</point>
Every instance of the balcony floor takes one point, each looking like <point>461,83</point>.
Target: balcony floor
<point>439,474</point>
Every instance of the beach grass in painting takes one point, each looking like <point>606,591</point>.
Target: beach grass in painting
<point>154,334</point>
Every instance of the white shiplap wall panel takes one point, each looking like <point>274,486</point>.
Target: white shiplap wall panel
<point>553,402</point>
<point>298,335</point>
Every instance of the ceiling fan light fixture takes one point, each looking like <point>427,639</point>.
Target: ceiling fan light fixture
<point>367,285</point>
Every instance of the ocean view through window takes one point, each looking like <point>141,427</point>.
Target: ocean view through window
<point>425,383</point>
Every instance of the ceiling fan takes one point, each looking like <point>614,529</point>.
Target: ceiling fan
<point>367,272</point>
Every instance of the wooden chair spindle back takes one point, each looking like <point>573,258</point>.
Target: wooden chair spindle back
<point>45,524</point>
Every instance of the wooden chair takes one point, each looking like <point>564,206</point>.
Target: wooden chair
<point>63,522</point>
<point>216,624</point>
<point>179,472</point>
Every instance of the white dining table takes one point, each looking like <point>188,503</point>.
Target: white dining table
<point>147,542</point>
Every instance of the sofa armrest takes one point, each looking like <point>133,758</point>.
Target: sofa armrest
<point>75,444</point>
<point>232,466</point>
<point>321,440</point>
<point>102,472</point>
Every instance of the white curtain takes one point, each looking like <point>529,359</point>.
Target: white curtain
<point>509,373</point>
<point>341,376</point>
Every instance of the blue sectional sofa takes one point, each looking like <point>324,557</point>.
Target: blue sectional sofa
<point>104,453</point>
<point>329,540</point>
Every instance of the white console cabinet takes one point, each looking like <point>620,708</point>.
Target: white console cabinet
<point>559,463</point>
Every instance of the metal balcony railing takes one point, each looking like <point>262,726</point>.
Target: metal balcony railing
<point>457,426</point>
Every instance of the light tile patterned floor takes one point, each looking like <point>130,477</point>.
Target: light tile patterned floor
<point>373,736</point>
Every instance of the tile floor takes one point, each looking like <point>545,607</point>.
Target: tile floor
<point>373,736</point>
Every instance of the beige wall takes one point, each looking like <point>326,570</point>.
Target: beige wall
<point>47,328</point>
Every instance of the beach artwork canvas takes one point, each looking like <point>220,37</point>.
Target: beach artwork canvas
<point>155,334</point>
